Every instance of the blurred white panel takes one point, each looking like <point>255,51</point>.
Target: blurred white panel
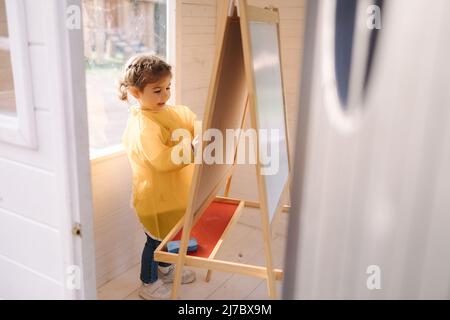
<point>369,182</point>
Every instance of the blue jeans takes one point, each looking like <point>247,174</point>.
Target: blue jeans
<point>149,267</point>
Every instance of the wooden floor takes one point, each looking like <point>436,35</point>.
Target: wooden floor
<point>244,244</point>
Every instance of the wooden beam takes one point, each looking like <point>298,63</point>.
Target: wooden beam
<point>220,265</point>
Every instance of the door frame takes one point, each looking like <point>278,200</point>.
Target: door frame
<point>67,73</point>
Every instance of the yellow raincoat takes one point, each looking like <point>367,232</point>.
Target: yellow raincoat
<point>160,186</point>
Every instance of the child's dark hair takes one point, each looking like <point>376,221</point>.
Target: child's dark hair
<point>140,70</point>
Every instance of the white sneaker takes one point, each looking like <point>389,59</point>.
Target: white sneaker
<point>155,291</point>
<point>188,275</point>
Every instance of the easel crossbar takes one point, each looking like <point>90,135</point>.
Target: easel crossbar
<point>219,265</point>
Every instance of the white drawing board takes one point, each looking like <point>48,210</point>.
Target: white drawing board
<point>270,113</point>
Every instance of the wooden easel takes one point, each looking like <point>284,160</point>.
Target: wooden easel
<point>238,16</point>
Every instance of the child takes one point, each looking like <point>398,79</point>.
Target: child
<point>160,185</point>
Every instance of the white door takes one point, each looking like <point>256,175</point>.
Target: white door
<point>45,190</point>
<point>371,211</point>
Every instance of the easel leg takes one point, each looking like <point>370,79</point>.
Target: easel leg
<point>181,255</point>
<point>208,275</point>
<point>267,236</point>
<point>269,265</point>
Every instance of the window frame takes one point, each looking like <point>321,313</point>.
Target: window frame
<point>20,129</point>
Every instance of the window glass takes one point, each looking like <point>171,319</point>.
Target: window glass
<point>7,97</point>
<point>114,30</point>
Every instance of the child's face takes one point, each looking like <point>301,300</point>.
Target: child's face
<point>154,95</point>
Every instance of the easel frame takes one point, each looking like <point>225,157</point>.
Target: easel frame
<point>246,14</point>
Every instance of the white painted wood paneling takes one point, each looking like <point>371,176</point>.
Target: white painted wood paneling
<point>196,41</point>
<point>39,73</point>
<point>119,237</point>
<point>44,157</point>
<point>44,191</point>
<point>22,282</point>
<point>26,242</point>
<point>20,194</point>
<point>36,18</point>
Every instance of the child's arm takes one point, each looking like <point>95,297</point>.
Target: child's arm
<point>160,156</point>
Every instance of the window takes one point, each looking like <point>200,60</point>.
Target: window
<point>17,116</point>
<point>7,97</point>
<point>113,31</point>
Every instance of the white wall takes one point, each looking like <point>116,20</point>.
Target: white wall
<point>119,237</point>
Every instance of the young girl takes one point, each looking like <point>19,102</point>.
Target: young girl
<point>160,185</point>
